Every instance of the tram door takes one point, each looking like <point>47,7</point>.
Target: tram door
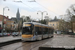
<point>38,33</point>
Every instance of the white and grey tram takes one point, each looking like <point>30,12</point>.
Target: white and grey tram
<point>32,31</point>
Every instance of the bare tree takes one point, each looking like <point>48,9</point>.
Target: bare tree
<point>71,11</point>
<point>47,19</point>
<point>71,14</point>
<point>26,18</point>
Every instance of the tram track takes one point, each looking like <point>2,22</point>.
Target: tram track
<point>32,45</point>
<point>25,44</point>
<point>40,43</point>
<point>28,45</point>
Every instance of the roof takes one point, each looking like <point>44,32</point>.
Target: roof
<point>35,23</point>
<point>14,18</point>
<point>55,20</point>
<point>4,17</point>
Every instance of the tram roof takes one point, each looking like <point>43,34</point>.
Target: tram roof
<point>35,23</point>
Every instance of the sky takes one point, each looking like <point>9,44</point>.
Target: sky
<point>52,7</point>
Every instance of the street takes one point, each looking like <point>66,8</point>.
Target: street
<point>56,41</point>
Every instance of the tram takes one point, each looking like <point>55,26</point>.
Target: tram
<point>32,31</point>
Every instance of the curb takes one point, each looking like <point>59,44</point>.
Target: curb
<point>9,42</point>
<point>50,48</point>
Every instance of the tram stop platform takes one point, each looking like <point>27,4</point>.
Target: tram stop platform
<point>8,40</point>
<point>59,42</point>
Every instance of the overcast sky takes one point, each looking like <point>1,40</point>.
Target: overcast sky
<point>53,7</point>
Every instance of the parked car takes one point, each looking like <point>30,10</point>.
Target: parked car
<point>15,34</point>
<point>1,34</point>
<point>8,34</point>
<point>4,34</point>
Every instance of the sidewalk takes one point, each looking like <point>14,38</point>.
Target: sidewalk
<point>59,42</point>
<point>9,40</point>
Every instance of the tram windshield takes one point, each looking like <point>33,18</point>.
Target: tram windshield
<point>27,29</point>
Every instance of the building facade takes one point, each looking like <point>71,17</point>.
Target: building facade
<point>7,22</point>
<point>0,23</point>
<point>0,26</point>
<point>60,25</point>
<point>5,19</point>
<point>54,23</point>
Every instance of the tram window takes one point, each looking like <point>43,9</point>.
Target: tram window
<point>38,30</point>
<point>52,31</point>
<point>49,31</point>
<point>26,30</point>
<point>46,30</point>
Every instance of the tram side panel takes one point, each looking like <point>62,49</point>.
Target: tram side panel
<point>52,31</point>
<point>45,33</point>
<point>38,32</point>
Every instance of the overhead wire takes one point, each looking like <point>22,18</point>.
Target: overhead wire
<point>44,7</point>
<point>25,4</point>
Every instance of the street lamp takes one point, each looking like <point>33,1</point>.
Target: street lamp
<point>42,14</point>
<point>3,19</point>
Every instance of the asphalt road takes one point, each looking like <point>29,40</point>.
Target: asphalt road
<point>57,40</point>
